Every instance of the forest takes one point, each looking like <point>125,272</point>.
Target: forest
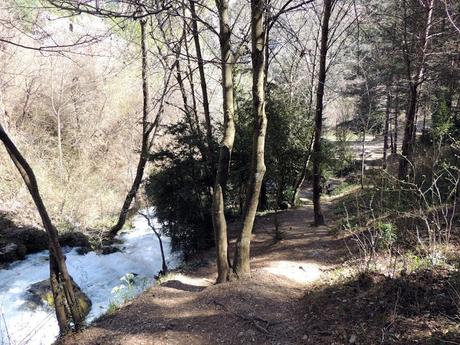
<point>229,172</point>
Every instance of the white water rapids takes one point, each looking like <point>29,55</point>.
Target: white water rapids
<point>97,275</point>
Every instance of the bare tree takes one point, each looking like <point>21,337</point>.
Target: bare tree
<point>65,301</point>
<point>416,78</point>
<point>226,146</point>
<point>147,128</point>
<point>148,217</point>
<point>318,215</point>
<point>241,262</point>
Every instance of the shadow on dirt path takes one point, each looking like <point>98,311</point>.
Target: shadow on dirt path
<point>266,309</point>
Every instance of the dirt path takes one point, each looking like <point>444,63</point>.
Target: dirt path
<point>267,309</point>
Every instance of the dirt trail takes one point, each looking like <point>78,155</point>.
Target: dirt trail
<point>267,309</point>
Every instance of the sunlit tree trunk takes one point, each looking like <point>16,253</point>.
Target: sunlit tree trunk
<point>241,263</point>
<point>318,215</point>
<point>226,146</point>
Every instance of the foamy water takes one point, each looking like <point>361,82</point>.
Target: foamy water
<point>97,275</point>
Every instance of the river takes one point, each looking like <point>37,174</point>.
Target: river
<point>99,276</point>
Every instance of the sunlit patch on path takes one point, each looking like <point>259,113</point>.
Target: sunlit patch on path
<point>299,272</point>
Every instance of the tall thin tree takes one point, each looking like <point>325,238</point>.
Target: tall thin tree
<point>65,301</point>
<point>226,146</point>
<point>415,78</point>
<point>258,26</point>
<point>318,215</point>
<point>147,128</point>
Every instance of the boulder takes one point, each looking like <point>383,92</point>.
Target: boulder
<point>74,239</point>
<point>34,239</point>
<point>105,250</point>
<point>12,251</point>
<point>40,294</point>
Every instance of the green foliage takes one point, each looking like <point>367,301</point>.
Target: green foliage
<point>387,236</point>
<point>129,288</point>
<point>287,146</point>
<point>442,120</point>
<point>180,191</point>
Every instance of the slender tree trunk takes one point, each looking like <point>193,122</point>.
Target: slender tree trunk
<point>241,262</point>
<point>146,130</point>
<point>59,134</point>
<point>60,280</point>
<point>204,87</point>
<point>395,125</point>
<point>363,155</point>
<point>226,146</point>
<point>164,266</point>
<point>318,215</point>
<point>303,174</point>
<point>409,126</point>
<point>414,82</point>
<point>192,83</point>
<point>386,128</point>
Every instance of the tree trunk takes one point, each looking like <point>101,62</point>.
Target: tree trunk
<point>363,155</point>
<point>303,174</point>
<point>164,266</point>
<point>241,262</point>
<point>395,125</point>
<point>146,130</point>
<point>226,146</point>
<point>414,83</point>
<point>204,87</point>
<point>319,219</point>
<point>61,283</point>
<point>386,128</point>
<point>409,126</point>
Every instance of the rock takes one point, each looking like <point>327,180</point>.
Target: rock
<point>11,252</point>
<point>82,250</point>
<point>34,239</point>
<point>284,205</point>
<point>39,294</point>
<point>105,250</point>
<point>74,239</point>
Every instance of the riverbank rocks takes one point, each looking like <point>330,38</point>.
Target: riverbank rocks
<point>16,242</point>
<point>40,294</point>
<point>12,252</point>
<point>74,239</point>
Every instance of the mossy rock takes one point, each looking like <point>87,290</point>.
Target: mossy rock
<point>40,294</point>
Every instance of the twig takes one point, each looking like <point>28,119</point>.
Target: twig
<point>253,320</point>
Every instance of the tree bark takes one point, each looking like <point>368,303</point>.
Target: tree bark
<point>318,215</point>
<point>226,146</point>
<point>203,84</point>
<point>386,128</point>
<point>60,280</point>
<point>303,174</point>
<point>164,266</point>
<point>363,154</point>
<point>407,148</point>
<point>146,130</point>
<point>241,263</point>
<point>395,126</point>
